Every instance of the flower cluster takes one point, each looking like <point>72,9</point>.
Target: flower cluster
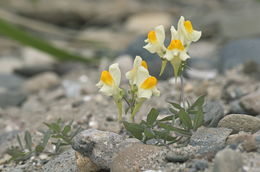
<point>176,52</point>
<point>142,86</point>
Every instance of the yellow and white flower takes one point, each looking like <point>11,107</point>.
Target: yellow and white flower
<point>155,41</point>
<point>185,28</point>
<point>176,52</point>
<point>146,84</point>
<point>132,74</point>
<point>110,80</point>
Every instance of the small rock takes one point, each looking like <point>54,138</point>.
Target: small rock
<point>228,160</point>
<point>210,139</point>
<point>84,164</point>
<point>99,146</point>
<point>213,112</point>
<point>173,157</point>
<point>200,164</point>
<point>236,108</point>
<point>143,22</point>
<point>251,103</point>
<point>137,157</point>
<point>41,81</point>
<point>64,162</point>
<point>248,141</point>
<point>240,122</point>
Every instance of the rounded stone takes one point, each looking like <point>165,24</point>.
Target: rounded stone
<point>240,122</point>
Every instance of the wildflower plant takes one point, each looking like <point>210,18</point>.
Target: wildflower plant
<point>142,86</point>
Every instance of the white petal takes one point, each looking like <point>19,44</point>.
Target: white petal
<point>156,92</point>
<point>160,33</point>
<point>137,61</point>
<point>107,90</point>
<point>142,93</point>
<point>169,55</point>
<point>142,74</point>
<point>184,56</point>
<point>99,84</point>
<point>115,73</point>
<point>150,47</point>
<point>181,24</point>
<point>174,33</point>
<point>196,35</point>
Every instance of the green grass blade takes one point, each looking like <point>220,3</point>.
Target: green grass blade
<point>25,38</point>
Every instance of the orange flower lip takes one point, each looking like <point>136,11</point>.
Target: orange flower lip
<point>107,78</point>
<point>144,64</point>
<point>149,83</point>
<point>188,26</point>
<point>176,44</point>
<point>152,36</point>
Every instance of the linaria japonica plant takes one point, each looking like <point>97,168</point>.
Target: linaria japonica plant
<point>183,120</point>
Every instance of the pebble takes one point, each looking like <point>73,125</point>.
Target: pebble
<point>228,160</point>
<point>240,122</point>
<point>173,157</point>
<point>251,103</point>
<point>41,81</point>
<point>200,164</point>
<point>144,21</point>
<point>210,140</point>
<point>248,141</point>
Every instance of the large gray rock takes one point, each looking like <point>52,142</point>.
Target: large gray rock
<point>64,162</point>
<point>210,139</point>
<point>251,103</point>
<point>213,112</point>
<point>238,52</point>
<point>240,122</point>
<point>228,160</point>
<point>99,146</point>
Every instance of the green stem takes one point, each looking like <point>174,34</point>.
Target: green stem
<point>182,92</point>
<point>136,109</point>
<point>119,107</point>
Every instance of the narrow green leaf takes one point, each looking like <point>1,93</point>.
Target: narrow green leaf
<point>148,134</point>
<point>177,106</point>
<point>152,116</point>
<point>198,103</point>
<point>66,130</point>
<point>199,119</point>
<point>46,138</point>
<point>28,140</point>
<point>135,129</point>
<point>173,111</point>
<point>54,127</point>
<point>185,119</point>
<point>25,38</point>
<point>171,128</point>
<point>19,141</point>
<point>167,118</point>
